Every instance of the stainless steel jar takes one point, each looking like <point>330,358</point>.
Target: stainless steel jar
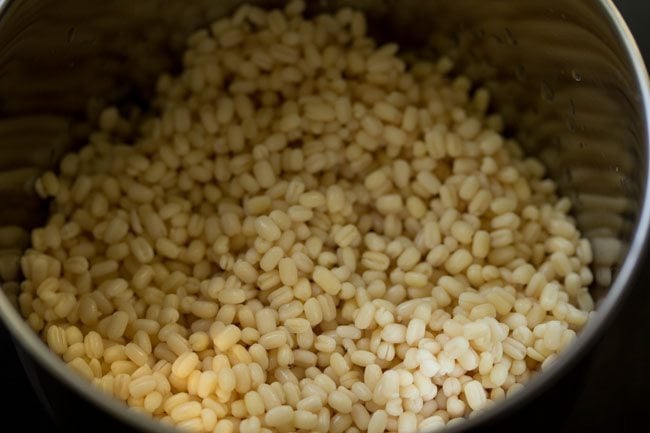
<point>566,74</point>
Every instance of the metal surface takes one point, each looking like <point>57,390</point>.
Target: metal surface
<point>566,74</point>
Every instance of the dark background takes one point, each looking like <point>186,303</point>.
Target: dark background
<point>612,398</point>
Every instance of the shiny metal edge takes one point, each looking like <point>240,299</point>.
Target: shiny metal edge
<point>21,331</point>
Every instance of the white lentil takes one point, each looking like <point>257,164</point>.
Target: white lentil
<point>326,280</point>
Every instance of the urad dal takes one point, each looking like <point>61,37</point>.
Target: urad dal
<point>309,233</point>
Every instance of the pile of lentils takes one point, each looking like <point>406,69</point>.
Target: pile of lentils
<point>309,233</point>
